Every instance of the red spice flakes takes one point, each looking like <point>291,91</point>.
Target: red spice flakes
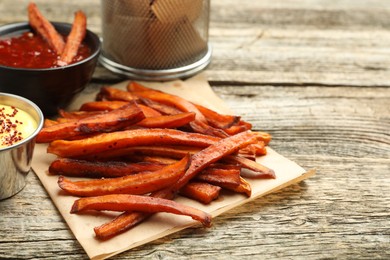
<point>8,129</point>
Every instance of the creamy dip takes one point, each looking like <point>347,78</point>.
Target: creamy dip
<point>15,125</point>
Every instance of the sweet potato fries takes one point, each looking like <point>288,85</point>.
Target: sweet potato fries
<point>44,28</point>
<point>137,149</point>
<point>66,50</point>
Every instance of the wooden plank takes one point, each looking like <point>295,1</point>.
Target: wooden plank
<point>344,204</point>
<point>275,43</point>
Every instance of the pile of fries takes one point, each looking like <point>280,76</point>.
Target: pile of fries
<point>137,149</point>
<point>66,50</point>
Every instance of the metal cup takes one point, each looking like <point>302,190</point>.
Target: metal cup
<point>15,160</point>
<point>155,40</point>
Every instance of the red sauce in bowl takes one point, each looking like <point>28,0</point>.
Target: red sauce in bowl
<point>32,51</point>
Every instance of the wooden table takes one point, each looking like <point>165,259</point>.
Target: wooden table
<point>316,75</point>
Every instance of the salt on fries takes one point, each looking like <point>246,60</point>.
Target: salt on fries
<point>140,148</point>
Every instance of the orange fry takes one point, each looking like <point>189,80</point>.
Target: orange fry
<point>253,170</point>
<point>149,112</point>
<point>105,122</point>
<point>49,122</point>
<point>120,224</point>
<point>168,121</point>
<point>114,94</point>
<point>223,179</point>
<point>108,105</point>
<point>75,37</point>
<point>129,153</point>
<point>125,202</point>
<point>154,159</point>
<point>44,28</point>
<point>162,108</point>
<point>77,114</point>
<point>98,169</point>
<point>263,136</point>
<point>218,120</point>
<point>201,127</point>
<point>241,126</point>
<point>244,187</point>
<point>259,148</point>
<point>201,191</point>
<point>122,139</point>
<point>102,105</point>
<point>140,183</point>
<point>220,177</point>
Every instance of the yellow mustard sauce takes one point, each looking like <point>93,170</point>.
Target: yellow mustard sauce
<point>15,125</point>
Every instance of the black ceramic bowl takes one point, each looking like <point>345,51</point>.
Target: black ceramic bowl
<point>51,88</point>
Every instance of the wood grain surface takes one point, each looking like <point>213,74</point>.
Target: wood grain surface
<point>313,73</point>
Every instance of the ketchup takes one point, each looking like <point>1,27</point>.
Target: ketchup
<point>32,51</point>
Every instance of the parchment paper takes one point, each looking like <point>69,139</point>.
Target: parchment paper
<point>197,90</point>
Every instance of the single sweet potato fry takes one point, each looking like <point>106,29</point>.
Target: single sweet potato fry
<point>120,224</point>
<point>122,139</point>
<point>75,38</point>
<point>259,148</point>
<point>167,121</point>
<point>263,136</point>
<point>102,105</point>
<point>99,169</point>
<point>216,119</point>
<point>61,120</point>
<point>162,108</point>
<point>115,94</point>
<point>77,114</point>
<point>234,183</point>
<point>97,107</point>
<point>241,126</point>
<point>254,170</point>
<point>149,112</point>
<point>154,159</point>
<point>44,28</point>
<point>201,191</point>
<point>248,152</point>
<point>105,122</point>
<point>253,150</point>
<point>201,127</point>
<point>125,202</point>
<point>140,183</point>
<point>172,152</point>
<point>244,187</point>
<point>49,122</point>
<point>219,177</point>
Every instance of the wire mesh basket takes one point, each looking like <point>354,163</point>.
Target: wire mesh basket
<point>155,39</point>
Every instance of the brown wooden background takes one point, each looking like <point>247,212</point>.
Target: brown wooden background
<point>313,73</point>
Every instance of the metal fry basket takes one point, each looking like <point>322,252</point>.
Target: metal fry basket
<point>155,39</point>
